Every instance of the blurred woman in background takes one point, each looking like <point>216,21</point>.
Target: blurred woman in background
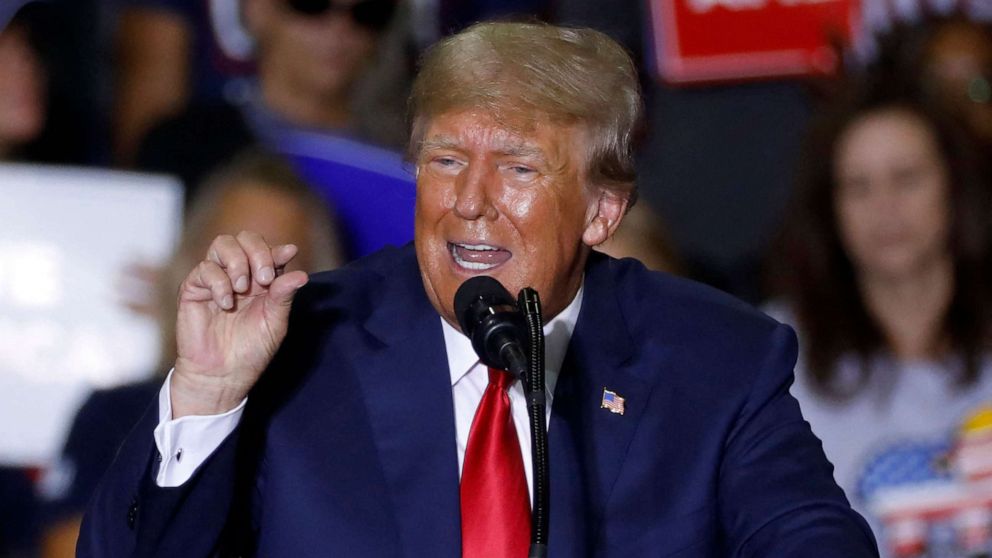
<point>22,90</point>
<point>38,122</point>
<point>883,269</point>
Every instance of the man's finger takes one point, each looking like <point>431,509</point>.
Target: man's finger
<point>227,252</point>
<point>259,257</point>
<point>210,275</point>
<point>283,254</point>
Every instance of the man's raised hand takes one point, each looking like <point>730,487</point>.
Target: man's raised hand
<point>233,314</point>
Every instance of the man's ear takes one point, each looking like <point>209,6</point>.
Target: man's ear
<point>606,213</point>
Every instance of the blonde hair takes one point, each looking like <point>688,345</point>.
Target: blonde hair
<point>534,70</point>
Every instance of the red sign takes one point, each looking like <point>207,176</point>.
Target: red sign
<point>717,40</point>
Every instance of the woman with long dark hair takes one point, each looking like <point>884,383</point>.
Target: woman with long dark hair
<point>883,269</point>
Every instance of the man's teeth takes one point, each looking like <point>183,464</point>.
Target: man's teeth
<point>478,247</point>
<point>474,266</point>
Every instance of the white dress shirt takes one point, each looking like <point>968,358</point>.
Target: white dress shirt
<point>185,443</point>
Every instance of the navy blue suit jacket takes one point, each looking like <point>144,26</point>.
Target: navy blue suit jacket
<point>347,446</point>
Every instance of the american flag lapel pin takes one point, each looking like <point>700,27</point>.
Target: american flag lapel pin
<point>612,401</point>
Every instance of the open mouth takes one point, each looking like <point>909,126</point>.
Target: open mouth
<point>478,257</point>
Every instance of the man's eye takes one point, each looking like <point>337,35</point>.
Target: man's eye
<point>445,164</point>
<point>521,170</point>
<point>445,161</point>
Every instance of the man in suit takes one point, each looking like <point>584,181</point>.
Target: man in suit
<point>356,424</point>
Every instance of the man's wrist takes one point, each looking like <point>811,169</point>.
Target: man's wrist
<point>204,395</point>
<point>185,444</point>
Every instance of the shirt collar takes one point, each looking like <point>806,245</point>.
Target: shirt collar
<point>557,333</point>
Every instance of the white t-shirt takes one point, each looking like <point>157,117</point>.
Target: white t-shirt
<point>891,444</point>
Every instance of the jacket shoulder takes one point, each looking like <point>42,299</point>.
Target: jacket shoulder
<point>651,299</point>
<point>705,330</point>
<point>356,286</point>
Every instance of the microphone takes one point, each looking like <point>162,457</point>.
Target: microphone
<point>489,316</point>
<point>501,335</point>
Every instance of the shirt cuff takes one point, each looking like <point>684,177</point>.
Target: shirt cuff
<point>185,443</point>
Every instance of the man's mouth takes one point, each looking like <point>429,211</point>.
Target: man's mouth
<point>478,257</point>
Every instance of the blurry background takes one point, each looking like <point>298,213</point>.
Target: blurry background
<point>825,160</point>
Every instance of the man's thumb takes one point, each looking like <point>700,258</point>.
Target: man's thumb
<point>284,288</point>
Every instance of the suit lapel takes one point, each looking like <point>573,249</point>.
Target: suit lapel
<point>407,389</point>
<point>588,444</point>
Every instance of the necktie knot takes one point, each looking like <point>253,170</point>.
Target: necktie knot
<point>500,379</point>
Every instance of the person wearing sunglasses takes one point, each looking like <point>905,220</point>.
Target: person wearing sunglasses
<point>371,14</point>
<point>329,95</point>
<point>310,56</point>
<point>174,56</point>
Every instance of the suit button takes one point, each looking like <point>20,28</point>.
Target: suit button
<point>132,513</point>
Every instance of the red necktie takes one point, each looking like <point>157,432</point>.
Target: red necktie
<point>495,502</point>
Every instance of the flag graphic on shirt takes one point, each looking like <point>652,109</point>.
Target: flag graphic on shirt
<point>934,498</point>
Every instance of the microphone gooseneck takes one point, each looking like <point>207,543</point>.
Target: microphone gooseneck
<point>537,402</point>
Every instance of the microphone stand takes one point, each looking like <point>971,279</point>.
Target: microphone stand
<point>537,402</point>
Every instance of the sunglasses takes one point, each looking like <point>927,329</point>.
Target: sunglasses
<point>371,14</point>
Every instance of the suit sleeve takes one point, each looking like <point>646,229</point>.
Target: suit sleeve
<point>777,492</point>
<point>131,516</point>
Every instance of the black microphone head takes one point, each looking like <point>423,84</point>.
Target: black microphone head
<point>489,316</point>
<point>474,296</point>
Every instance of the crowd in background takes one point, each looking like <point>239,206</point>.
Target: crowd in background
<point>855,207</point>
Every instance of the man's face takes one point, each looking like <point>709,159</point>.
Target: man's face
<point>510,202</point>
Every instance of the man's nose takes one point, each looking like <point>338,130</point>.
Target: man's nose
<point>474,187</point>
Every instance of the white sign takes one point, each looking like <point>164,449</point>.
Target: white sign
<point>66,238</point>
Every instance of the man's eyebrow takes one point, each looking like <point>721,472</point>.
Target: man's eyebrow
<point>523,150</point>
<point>511,149</point>
<point>439,142</point>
